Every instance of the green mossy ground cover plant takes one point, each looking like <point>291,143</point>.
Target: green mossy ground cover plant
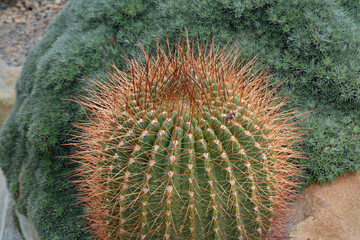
<point>315,44</point>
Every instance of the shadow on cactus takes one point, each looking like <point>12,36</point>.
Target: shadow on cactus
<point>188,144</point>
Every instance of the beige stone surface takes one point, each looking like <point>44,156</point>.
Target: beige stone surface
<point>328,212</point>
<point>8,77</point>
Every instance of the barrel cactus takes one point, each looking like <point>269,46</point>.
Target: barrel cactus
<point>191,143</point>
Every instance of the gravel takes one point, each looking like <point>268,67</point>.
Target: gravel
<point>23,25</point>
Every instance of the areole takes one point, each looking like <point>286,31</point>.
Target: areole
<point>190,144</point>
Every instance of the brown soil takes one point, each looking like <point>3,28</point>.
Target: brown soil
<point>23,24</point>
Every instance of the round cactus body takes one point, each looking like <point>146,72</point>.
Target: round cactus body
<point>185,145</point>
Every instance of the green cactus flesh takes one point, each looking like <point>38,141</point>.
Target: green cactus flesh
<point>209,165</point>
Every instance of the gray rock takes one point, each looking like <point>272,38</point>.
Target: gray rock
<point>13,225</point>
<point>8,225</point>
<point>27,229</point>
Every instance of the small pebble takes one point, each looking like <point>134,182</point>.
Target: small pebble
<point>23,25</point>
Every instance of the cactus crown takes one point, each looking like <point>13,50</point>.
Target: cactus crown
<point>185,145</point>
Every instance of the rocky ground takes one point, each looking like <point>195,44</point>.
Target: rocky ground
<point>22,25</point>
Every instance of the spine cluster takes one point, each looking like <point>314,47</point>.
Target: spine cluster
<point>190,144</point>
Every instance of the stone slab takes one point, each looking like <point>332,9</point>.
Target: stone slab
<point>329,211</point>
<point>8,228</point>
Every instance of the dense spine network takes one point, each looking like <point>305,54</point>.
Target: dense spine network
<point>191,143</point>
